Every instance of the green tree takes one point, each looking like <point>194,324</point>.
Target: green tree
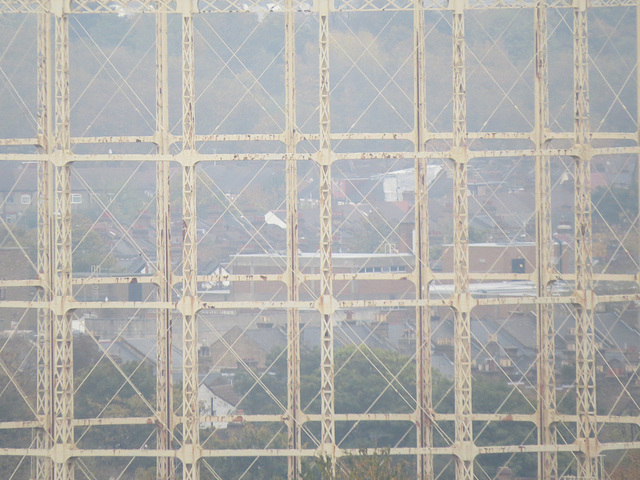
<point>383,381</point>
<point>256,436</point>
<point>615,204</point>
<point>103,392</point>
<point>17,398</point>
<point>378,465</point>
<point>497,396</point>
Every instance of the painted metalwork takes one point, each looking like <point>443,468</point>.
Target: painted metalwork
<point>461,301</point>
<point>189,302</point>
<point>44,402</point>
<point>165,467</point>
<point>424,407</point>
<point>294,407</point>
<point>62,347</point>
<point>547,435</point>
<point>54,449</point>
<point>587,427</point>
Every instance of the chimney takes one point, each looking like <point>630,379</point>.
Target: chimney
<point>381,326</point>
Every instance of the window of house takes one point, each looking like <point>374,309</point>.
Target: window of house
<point>517,265</point>
<point>25,199</point>
<point>76,198</point>
<point>10,199</point>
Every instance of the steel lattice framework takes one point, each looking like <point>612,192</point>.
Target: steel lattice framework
<point>55,451</point>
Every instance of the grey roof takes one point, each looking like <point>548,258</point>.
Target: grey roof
<point>615,332</point>
<point>504,335</point>
<point>139,349</point>
<point>226,393</point>
<point>268,338</point>
<point>522,329</point>
<point>443,364</point>
<point>345,335</point>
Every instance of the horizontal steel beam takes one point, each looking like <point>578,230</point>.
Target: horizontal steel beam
<point>194,157</point>
<point>274,452</point>
<point>147,7</point>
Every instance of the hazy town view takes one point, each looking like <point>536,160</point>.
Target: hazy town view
<point>311,293</point>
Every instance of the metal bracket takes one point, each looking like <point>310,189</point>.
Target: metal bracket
<point>61,452</point>
<point>581,4</point>
<point>323,7</point>
<point>587,300</point>
<point>465,451</point>
<point>188,158</point>
<point>323,158</point>
<point>60,7</point>
<point>187,7</point>
<point>326,305</point>
<point>463,302</point>
<point>457,6</point>
<point>189,306</point>
<point>459,154</point>
<point>190,454</point>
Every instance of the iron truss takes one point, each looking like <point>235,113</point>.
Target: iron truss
<point>54,450</point>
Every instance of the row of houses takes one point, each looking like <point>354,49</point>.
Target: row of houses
<point>372,210</point>
<point>500,347</point>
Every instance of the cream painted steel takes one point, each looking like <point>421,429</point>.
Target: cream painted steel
<point>637,166</point>
<point>62,348</point>
<point>44,400</point>
<point>341,304</point>
<point>188,305</point>
<point>342,417</point>
<point>240,6</point>
<point>294,410</point>
<point>367,155</point>
<point>464,441</point>
<point>587,427</point>
<point>443,135</point>
<point>424,406</point>
<point>55,422</point>
<point>165,466</point>
<point>312,453</point>
<point>62,332</point>
<point>546,364</point>
<point>191,448</point>
<point>314,137</point>
<point>326,303</point>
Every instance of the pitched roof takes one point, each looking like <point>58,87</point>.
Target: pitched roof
<point>226,393</point>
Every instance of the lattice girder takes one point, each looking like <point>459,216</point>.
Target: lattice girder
<point>313,155</point>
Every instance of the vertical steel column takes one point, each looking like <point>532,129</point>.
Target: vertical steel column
<point>326,304</point>
<point>547,461</point>
<point>586,436</point>
<point>423,321</point>
<point>462,298</point>
<point>637,179</point>
<point>293,315</point>
<point>191,412</point>
<point>164,384</point>
<point>62,333</point>
<point>44,401</point>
